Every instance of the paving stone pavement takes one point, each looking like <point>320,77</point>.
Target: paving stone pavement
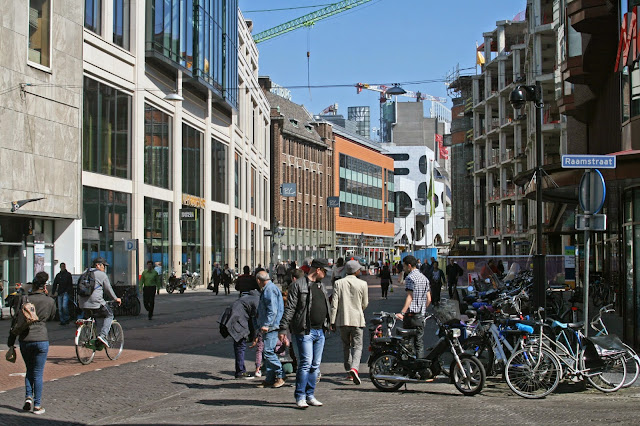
<point>190,380</point>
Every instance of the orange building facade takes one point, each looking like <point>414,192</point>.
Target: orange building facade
<point>364,222</point>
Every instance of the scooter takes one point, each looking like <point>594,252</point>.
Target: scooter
<point>175,283</point>
<point>393,362</point>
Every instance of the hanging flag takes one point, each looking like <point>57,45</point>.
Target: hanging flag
<point>479,56</point>
<point>431,193</point>
<point>443,151</point>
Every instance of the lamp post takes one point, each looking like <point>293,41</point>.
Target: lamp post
<point>518,97</point>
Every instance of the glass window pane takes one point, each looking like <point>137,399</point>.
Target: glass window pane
<point>157,147</point>
<point>40,32</point>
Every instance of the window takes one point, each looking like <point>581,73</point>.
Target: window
<point>399,157</point>
<point>157,147</point>
<point>121,23</point>
<point>106,132</point>
<point>170,32</point>
<point>422,165</point>
<point>237,179</point>
<point>93,15</point>
<point>40,32</point>
<point>191,161</point>
<point>252,201</point>
<point>218,171</point>
<point>401,172</point>
<point>157,232</point>
<point>209,18</point>
<point>219,237</point>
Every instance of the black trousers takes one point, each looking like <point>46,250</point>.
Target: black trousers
<point>149,298</point>
<point>416,321</point>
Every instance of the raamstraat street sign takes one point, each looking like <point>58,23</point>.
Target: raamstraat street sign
<point>588,161</point>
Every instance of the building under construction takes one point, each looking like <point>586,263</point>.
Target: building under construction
<point>460,89</point>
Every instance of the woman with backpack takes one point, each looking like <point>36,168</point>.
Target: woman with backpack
<point>34,340</point>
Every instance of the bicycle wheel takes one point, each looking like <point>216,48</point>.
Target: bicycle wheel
<point>481,348</point>
<point>633,366</point>
<point>116,341</point>
<point>135,307</point>
<point>532,373</point>
<point>608,377</point>
<point>474,372</point>
<point>85,348</point>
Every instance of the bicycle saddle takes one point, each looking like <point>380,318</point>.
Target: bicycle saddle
<point>406,332</point>
<point>571,325</point>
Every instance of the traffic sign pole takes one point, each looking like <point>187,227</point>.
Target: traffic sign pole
<point>587,246</point>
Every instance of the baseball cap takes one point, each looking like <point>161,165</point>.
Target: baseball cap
<point>100,260</point>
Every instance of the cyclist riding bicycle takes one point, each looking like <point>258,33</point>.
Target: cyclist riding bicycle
<point>95,305</point>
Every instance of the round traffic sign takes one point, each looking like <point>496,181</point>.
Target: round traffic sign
<point>592,191</point>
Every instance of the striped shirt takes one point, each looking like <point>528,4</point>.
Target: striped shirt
<point>419,285</point>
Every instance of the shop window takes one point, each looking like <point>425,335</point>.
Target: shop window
<point>218,171</point>
<point>191,161</point>
<point>157,147</point>
<point>39,51</point>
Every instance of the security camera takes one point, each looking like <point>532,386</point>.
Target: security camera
<point>518,97</point>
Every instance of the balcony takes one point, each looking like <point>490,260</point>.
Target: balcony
<point>592,16</point>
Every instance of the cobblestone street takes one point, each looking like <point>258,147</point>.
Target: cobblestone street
<point>176,369</point>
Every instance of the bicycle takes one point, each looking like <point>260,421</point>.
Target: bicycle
<point>632,360</point>
<point>130,302</point>
<point>87,343</point>
<point>535,370</point>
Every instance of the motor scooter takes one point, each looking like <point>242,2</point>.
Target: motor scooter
<point>175,283</point>
<point>393,362</point>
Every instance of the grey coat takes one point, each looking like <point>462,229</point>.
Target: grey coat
<point>240,323</point>
<point>97,297</point>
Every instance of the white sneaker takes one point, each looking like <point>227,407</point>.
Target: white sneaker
<point>258,373</point>
<point>104,341</point>
<point>302,404</point>
<point>314,402</point>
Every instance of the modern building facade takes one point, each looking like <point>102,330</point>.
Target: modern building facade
<point>182,180</point>
<point>40,134</point>
<point>364,183</point>
<point>301,181</point>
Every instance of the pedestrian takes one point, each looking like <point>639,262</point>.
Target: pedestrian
<point>150,283</point>
<point>158,268</point>
<point>281,271</point>
<point>337,271</point>
<point>349,300</point>
<point>454,271</point>
<point>270,311</point>
<point>306,316</point>
<point>306,265</point>
<point>63,290</point>
<point>288,278</point>
<point>245,282</point>
<point>240,324</point>
<point>437,279</point>
<point>34,342</point>
<point>95,305</point>
<point>385,280</point>
<point>416,302</point>
<point>427,268</point>
<point>216,277</point>
<point>227,278</point>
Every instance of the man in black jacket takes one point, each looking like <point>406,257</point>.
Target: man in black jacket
<point>240,325</point>
<point>63,289</point>
<point>307,317</point>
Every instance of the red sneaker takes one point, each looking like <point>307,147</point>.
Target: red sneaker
<point>354,375</point>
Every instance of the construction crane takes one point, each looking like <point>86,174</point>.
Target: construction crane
<point>384,96</point>
<point>308,19</point>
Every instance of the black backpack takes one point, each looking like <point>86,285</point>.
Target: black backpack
<point>86,283</point>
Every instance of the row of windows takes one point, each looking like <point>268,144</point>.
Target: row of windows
<point>303,150</point>
<point>359,166</point>
<point>107,147</point>
<point>297,215</point>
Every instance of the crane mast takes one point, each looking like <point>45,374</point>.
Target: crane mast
<point>308,20</point>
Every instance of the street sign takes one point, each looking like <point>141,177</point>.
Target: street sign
<point>267,232</point>
<point>333,202</point>
<point>592,191</point>
<point>188,214</point>
<point>593,222</point>
<point>588,161</point>
<point>288,190</point>
<point>131,244</point>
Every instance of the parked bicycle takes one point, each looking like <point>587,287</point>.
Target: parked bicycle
<point>87,343</point>
<point>130,302</point>
<point>535,370</point>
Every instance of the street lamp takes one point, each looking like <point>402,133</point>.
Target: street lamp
<point>518,97</point>
<point>395,90</point>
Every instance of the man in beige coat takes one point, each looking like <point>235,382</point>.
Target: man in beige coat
<point>350,299</point>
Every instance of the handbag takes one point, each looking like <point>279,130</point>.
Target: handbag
<point>11,354</point>
<point>26,315</point>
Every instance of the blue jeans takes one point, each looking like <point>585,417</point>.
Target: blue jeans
<point>34,355</point>
<point>272,364</point>
<point>310,347</point>
<point>102,312</point>
<point>239,349</point>
<point>63,307</point>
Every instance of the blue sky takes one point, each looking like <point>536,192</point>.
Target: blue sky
<point>380,42</point>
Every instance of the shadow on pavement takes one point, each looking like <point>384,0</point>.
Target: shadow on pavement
<point>203,375</point>
<point>246,402</point>
<point>28,418</point>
